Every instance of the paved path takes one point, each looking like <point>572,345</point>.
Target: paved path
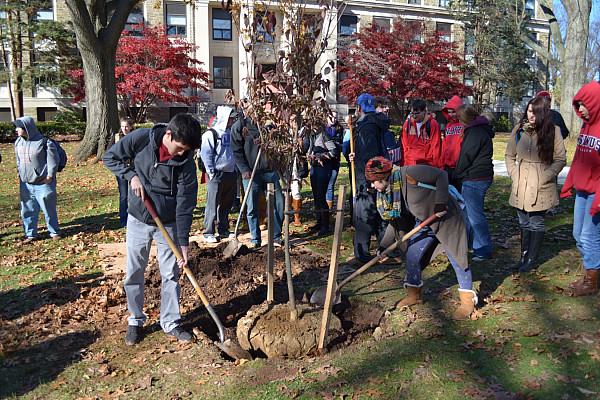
<point>500,169</point>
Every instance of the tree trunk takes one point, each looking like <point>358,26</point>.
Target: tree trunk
<point>573,70</point>
<point>101,103</point>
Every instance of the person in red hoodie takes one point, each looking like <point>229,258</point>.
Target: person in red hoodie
<point>452,139</point>
<point>421,137</point>
<point>584,176</point>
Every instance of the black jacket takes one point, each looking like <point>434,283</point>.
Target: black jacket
<point>244,148</point>
<point>476,151</point>
<point>172,185</point>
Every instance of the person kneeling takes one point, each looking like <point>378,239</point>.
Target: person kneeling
<point>405,197</point>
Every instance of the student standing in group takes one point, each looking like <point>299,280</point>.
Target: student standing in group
<point>535,155</point>
<point>584,176</point>
<point>421,137</point>
<point>37,165</point>
<point>452,139</point>
<point>126,126</point>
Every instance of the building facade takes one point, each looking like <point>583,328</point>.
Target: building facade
<point>205,24</point>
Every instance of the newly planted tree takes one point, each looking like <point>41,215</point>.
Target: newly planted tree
<point>412,61</point>
<point>150,66</point>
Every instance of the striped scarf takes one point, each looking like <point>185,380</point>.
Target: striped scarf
<point>389,203</point>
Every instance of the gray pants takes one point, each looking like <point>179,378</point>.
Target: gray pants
<point>220,193</point>
<point>139,239</point>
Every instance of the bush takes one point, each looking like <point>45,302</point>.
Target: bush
<point>67,117</point>
<point>50,129</point>
<point>502,124</point>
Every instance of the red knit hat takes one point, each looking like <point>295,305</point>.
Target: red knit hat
<point>378,168</point>
<point>544,93</point>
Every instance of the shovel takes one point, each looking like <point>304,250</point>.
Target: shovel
<point>318,296</point>
<point>235,245</point>
<point>230,348</point>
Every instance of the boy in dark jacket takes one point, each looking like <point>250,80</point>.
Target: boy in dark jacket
<point>158,163</point>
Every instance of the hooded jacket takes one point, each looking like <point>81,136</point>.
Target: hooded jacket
<point>34,162</point>
<point>421,148</point>
<point>172,185</point>
<point>584,174</point>
<point>244,148</point>
<point>475,157</point>
<point>219,158</point>
<point>453,135</point>
<point>367,144</point>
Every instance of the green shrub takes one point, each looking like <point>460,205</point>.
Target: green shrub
<point>502,124</point>
<point>50,129</point>
<point>67,117</point>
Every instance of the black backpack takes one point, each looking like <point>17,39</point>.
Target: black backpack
<point>62,154</point>
<point>201,165</point>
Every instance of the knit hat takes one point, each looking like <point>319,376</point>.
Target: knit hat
<point>378,168</point>
<point>543,93</point>
<point>366,102</point>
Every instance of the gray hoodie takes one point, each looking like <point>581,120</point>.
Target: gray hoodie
<point>221,157</point>
<point>34,162</point>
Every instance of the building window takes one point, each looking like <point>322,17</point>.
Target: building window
<point>530,8</point>
<point>176,19</point>
<point>44,15</point>
<point>136,16</point>
<point>262,35</point>
<point>445,30</point>
<point>5,114</point>
<point>443,3</point>
<point>46,113</point>
<point>223,72</point>
<point>348,24</point>
<point>414,2</point>
<point>383,23</point>
<point>221,24</point>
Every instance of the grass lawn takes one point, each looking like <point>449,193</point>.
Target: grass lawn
<point>528,340</point>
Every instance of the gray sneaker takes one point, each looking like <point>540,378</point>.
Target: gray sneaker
<point>210,239</point>
<point>134,335</point>
<point>181,335</point>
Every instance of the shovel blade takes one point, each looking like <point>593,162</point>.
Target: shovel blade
<point>232,248</point>
<point>318,297</point>
<point>233,350</point>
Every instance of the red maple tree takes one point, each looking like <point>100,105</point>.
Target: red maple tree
<point>152,65</point>
<point>411,61</point>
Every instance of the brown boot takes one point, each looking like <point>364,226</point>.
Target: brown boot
<point>413,297</point>
<point>589,287</point>
<point>468,299</point>
<point>330,204</point>
<point>297,205</point>
<point>578,282</point>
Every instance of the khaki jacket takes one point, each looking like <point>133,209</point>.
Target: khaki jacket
<point>534,182</point>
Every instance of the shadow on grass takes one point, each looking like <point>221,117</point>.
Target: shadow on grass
<point>25,369</point>
<point>16,303</point>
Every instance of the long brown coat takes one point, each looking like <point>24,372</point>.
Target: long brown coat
<point>449,230</point>
<point>534,182</point>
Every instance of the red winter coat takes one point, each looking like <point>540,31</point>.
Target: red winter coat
<point>423,148</point>
<point>584,174</point>
<point>453,135</point>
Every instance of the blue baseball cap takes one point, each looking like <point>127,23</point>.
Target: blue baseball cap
<point>366,102</point>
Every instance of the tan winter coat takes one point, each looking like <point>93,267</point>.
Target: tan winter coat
<point>534,182</point>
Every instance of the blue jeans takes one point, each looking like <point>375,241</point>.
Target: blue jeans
<point>34,198</point>
<point>586,231</point>
<point>123,192</point>
<point>478,231</point>
<point>139,239</point>
<point>260,183</point>
<point>331,185</point>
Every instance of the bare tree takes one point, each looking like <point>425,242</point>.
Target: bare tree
<point>570,50</point>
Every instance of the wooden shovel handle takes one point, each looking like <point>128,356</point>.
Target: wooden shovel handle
<point>388,250</point>
<point>352,170</point>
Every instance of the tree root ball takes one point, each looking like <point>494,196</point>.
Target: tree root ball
<point>268,328</point>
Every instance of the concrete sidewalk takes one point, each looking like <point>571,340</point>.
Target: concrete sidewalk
<point>500,169</point>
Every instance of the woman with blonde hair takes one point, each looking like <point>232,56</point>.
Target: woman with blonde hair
<point>475,172</point>
<point>535,155</point>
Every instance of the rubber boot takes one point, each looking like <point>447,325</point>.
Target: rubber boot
<point>525,237</point>
<point>414,296</point>
<point>468,300</point>
<point>578,282</point>
<point>589,287</point>
<point>297,205</point>
<point>535,246</point>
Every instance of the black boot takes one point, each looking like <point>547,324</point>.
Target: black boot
<point>525,238</point>
<point>535,246</point>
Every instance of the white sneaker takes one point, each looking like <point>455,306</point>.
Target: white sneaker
<point>210,239</point>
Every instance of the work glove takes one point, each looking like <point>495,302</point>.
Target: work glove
<point>440,209</point>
